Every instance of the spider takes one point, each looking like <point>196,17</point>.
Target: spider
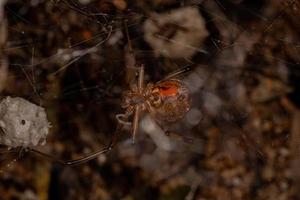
<point>167,101</point>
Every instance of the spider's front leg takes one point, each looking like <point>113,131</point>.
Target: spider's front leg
<point>86,158</point>
<point>139,106</point>
<point>135,124</point>
<point>141,78</point>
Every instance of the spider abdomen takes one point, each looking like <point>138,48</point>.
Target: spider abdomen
<point>173,101</point>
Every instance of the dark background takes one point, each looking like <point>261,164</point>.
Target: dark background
<point>244,119</point>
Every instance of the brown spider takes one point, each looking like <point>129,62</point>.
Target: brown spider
<point>167,101</point>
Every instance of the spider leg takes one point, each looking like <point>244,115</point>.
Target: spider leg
<point>120,119</point>
<point>175,74</point>
<point>135,124</point>
<point>175,135</point>
<point>84,159</point>
<point>130,48</point>
<point>141,78</point>
<point>5,151</point>
<point>138,107</point>
<point>185,139</point>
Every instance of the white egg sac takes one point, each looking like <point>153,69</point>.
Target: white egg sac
<point>22,123</point>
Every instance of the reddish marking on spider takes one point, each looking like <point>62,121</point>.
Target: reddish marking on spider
<point>168,88</point>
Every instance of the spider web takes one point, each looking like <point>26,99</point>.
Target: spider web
<point>72,61</point>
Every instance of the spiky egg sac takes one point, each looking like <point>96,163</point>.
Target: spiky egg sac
<point>22,123</point>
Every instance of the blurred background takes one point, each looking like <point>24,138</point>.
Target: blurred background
<point>72,58</point>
